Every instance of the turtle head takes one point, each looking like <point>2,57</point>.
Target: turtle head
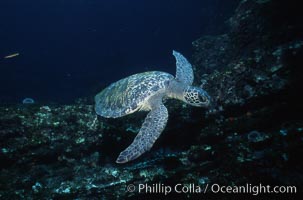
<point>196,96</point>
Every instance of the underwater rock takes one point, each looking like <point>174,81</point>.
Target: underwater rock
<point>200,153</point>
<point>257,59</point>
<point>206,60</point>
<point>258,140</point>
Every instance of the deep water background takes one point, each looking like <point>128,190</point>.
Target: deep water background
<point>71,49</point>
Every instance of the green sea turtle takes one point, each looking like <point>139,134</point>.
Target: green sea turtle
<point>145,91</point>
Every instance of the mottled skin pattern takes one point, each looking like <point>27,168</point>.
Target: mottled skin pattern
<point>152,127</point>
<point>184,72</point>
<point>145,91</point>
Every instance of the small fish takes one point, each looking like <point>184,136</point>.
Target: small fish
<point>11,55</point>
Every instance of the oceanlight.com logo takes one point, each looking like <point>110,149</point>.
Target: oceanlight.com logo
<point>160,188</point>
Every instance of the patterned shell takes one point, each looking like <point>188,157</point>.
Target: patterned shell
<point>129,94</point>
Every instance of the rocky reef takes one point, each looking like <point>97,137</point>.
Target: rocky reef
<point>252,134</point>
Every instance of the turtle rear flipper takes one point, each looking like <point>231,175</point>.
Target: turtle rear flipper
<point>151,129</point>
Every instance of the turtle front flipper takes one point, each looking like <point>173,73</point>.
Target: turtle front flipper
<point>151,129</point>
<point>184,71</point>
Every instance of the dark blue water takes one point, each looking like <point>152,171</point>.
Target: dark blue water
<point>70,49</point>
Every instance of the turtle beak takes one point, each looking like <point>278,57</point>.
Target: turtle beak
<point>204,99</point>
